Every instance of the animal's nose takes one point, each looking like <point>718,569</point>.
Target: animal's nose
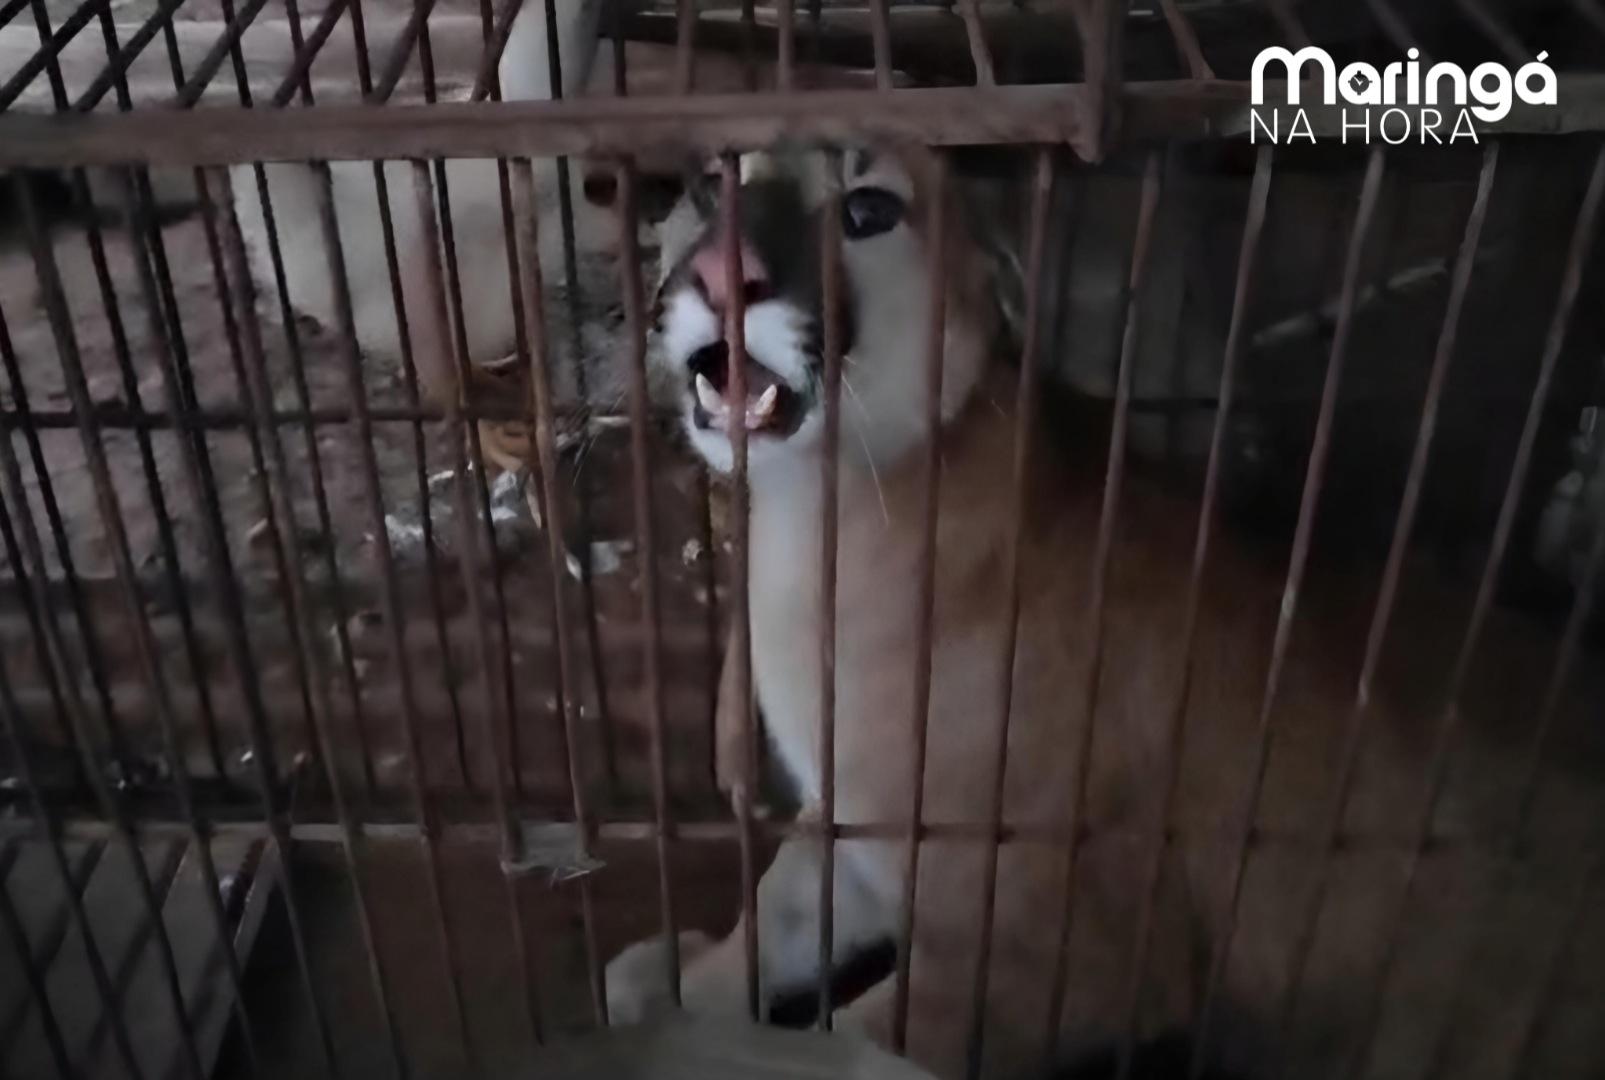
<point>708,268</point>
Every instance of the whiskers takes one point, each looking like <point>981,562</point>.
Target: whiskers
<point>858,430</point>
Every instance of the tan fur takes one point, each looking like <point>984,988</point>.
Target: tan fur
<point>880,539</point>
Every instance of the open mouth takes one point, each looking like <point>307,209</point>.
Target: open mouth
<point>772,408</point>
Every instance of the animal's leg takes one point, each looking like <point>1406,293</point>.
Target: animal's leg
<point>714,980</point>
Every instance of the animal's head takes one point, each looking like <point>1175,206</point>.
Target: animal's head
<point>887,270</point>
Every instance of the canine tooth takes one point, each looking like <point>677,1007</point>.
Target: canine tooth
<point>766,402</point>
<point>709,398</point>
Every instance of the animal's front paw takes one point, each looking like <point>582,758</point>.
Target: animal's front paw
<point>638,977</point>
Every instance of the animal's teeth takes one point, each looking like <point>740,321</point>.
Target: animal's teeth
<point>709,398</point>
<point>766,402</point>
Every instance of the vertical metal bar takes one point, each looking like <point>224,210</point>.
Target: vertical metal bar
<point>1315,475</point>
<point>786,50</point>
<point>486,80</point>
<point>1181,29</point>
<point>1247,263</point>
<point>880,30</point>
<point>645,544</point>
<point>46,946</point>
<point>94,654</point>
<point>190,91</point>
<point>925,608</point>
<point>409,370</point>
<point>36,628</point>
<point>297,76</point>
<point>155,284</point>
<point>394,612</point>
<point>685,33</point>
<point>1577,258</point>
<point>1024,427</point>
<point>1103,26</point>
<point>37,991</point>
<point>144,640</point>
<point>501,662</point>
<point>830,256</point>
<point>292,338</point>
<point>980,55</point>
<point>256,389</point>
<point>749,48</point>
<point>1376,637</point>
<point>48,824</point>
<point>735,337</point>
<point>160,19</point>
<point>1555,966</point>
<point>577,353</point>
<point>1114,477</point>
<point>491,703</point>
<point>50,47</point>
<point>111,517</point>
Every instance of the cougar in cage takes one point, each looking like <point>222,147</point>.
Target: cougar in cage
<point>1090,676</point>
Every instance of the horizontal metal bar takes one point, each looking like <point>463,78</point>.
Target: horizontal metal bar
<point>399,828</point>
<point>638,125</point>
<point>946,116</point>
<point>116,417</point>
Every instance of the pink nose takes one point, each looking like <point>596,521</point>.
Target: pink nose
<point>708,268</point>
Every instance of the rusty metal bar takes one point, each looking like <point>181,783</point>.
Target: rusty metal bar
<point>297,75</point>
<point>457,829</point>
<point>735,336</point>
<point>226,44</point>
<point>1102,24</point>
<point>1445,736</point>
<point>645,543</point>
<point>156,288</point>
<point>980,54</point>
<point>1152,181</point>
<point>94,655</point>
<point>128,964</point>
<point>881,37</point>
<point>396,62</point>
<point>50,46</point>
<point>33,975</point>
<point>36,629</point>
<point>925,606</point>
<point>786,47</point>
<point>158,294</point>
<point>830,274</point>
<point>685,33</point>
<point>602,126</point>
<point>1495,30</point>
<point>578,352</point>
<point>1024,427</point>
<point>46,827</point>
<point>1315,475</point>
<point>1242,298</point>
<point>1181,28</point>
<point>117,69</point>
<point>1376,636</point>
<point>492,703</point>
<point>43,950</point>
<point>410,382</point>
<point>145,644</point>
<point>394,612</point>
<point>486,79</point>
<point>107,798</point>
<point>458,327</point>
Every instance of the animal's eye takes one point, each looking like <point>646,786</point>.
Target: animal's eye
<point>871,211</point>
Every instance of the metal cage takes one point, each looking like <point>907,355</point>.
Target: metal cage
<point>249,702</point>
